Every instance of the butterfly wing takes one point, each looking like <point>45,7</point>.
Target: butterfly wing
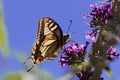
<point>51,45</point>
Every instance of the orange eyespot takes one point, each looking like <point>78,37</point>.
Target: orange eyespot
<point>40,59</point>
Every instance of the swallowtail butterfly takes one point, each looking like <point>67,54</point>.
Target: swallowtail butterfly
<point>49,42</point>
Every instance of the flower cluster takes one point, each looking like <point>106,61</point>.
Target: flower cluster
<point>82,75</point>
<point>73,54</point>
<point>100,14</point>
<point>111,53</point>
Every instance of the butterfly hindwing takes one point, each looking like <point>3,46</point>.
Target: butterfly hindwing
<point>48,51</point>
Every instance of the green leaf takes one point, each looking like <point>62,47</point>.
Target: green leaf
<point>12,76</point>
<point>109,73</point>
<point>3,35</point>
<point>20,76</point>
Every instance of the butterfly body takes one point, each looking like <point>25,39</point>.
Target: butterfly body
<point>49,42</point>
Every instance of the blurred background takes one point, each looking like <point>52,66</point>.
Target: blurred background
<point>18,28</point>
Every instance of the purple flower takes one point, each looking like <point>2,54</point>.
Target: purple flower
<point>94,5</point>
<point>111,53</point>
<point>87,15</point>
<point>73,48</point>
<point>100,15</point>
<point>72,54</point>
<point>91,35</point>
<point>82,74</point>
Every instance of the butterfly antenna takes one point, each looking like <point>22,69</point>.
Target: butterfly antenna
<point>69,26</point>
<point>31,68</point>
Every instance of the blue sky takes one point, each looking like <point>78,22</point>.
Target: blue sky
<point>21,19</point>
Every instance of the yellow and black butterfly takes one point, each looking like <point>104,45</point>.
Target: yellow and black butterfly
<point>49,42</point>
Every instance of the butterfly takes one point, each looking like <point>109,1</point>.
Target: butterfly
<point>49,42</point>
